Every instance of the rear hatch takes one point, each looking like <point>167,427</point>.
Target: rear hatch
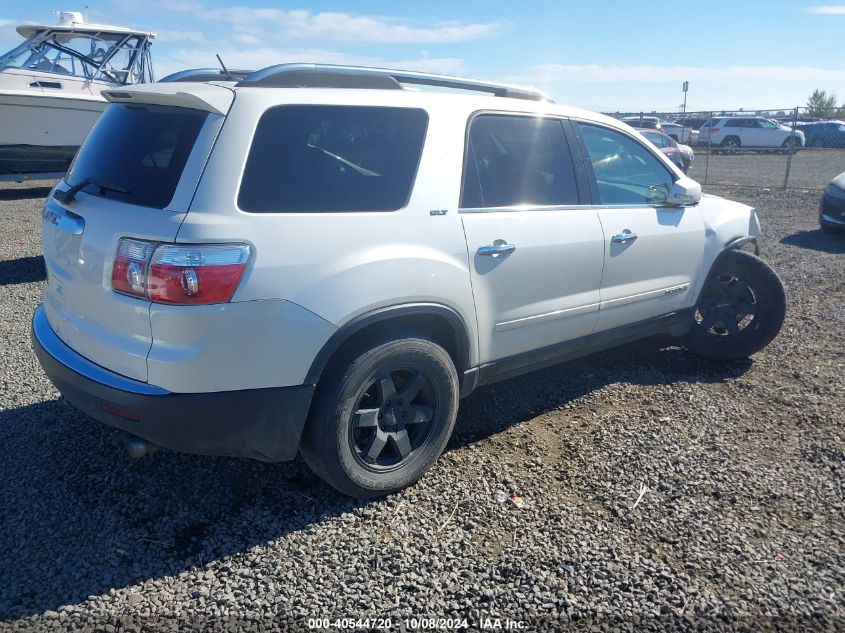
<point>136,175</point>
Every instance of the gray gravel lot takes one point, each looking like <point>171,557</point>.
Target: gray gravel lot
<point>742,523</point>
<point>811,168</point>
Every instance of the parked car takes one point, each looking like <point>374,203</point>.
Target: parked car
<point>832,210</point>
<point>330,271</point>
<point>692,122</point>
<point>679,132</point>
<point>670,148</point>
<point>824,133</point>
<point>733,133</point>
<point>649,122</point>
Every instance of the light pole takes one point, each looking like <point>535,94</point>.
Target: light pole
<point>686,88</point>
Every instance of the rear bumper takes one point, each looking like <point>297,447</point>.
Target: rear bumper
<point>262,424</point>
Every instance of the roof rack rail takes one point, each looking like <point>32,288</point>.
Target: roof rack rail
<point>331,76</point>
<point>206,74</point>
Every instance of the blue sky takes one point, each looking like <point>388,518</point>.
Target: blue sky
<point>602,55</point>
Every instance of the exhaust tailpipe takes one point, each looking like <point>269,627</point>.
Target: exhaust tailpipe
<point>136,446</point>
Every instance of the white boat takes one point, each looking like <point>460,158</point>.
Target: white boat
<point>50,89</point>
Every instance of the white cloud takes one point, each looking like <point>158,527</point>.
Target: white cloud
<point>347,27</point>
<point>631,87</point>
<point>645,73</point>
<point>257,58</point>
<point>166,35</point>
<point>829,9</point>
<point>5,22</point>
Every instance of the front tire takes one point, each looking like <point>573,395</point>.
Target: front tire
<point>382,416</point>
<point>740,310</point>
<point>791,144</point>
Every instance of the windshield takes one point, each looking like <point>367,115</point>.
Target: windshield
<point>139,152</point>
<point>113,57</point>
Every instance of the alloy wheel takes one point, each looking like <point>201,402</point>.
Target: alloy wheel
<point>392,419</point>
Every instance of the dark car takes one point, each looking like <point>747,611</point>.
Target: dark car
<point>640,122</point>
<point>824,133</point>
<point>668,146</point>
<point>832,211</point>
<point>695,122</point>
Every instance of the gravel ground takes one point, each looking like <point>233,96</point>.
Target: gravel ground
<point>811,168</point>
<point>531,514</point>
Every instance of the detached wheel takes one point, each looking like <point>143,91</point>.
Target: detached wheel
<point>740,310</point>
<point>382,416</point>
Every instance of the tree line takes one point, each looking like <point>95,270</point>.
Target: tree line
<point>823,105</point>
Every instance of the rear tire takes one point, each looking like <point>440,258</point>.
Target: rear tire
<point>731,144</point>
<point>382,415</point>
<point>740,310</point>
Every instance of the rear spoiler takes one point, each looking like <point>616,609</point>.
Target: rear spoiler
<point>209,97</point>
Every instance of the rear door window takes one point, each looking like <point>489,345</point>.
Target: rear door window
<point>136,154</point>
<point>313,159</point>
<point>516,160</point>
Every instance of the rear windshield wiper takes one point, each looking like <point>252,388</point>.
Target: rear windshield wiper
<point>70,194</point>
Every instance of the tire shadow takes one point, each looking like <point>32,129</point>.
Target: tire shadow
<point>655,361</point>
<point>23,270</point>
<point>817,240</point>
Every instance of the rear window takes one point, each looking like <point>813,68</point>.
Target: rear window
<point>138,153</point>
<point>312,159</point>
<point>516,160</point>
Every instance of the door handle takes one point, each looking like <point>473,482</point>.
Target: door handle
<point>624,237</point>
<point>496,248</point>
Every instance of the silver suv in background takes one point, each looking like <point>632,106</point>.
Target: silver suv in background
<point>315,260</point>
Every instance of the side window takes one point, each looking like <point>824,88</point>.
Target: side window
<point>513,160</point>
<point>733,123</point>
<point>314,158</point>
<point>626,172</point>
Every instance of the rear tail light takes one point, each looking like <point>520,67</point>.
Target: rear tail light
<point>712,130</point>
<point>130,266</point>
<point>183,274</point>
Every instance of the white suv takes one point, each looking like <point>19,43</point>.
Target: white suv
<point>315,260</point>
<point>732,133</point>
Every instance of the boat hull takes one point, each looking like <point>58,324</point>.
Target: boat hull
<point>47,120</point>
<point>42,133</point>
<point>35,159</point>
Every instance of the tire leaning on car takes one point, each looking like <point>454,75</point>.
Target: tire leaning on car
<point>383,413</point>
<point>740,309</point>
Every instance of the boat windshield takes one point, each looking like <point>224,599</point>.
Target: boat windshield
<point>113,57</point>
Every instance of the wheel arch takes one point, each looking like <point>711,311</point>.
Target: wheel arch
<point>730,246</point>
<point>442,323</point>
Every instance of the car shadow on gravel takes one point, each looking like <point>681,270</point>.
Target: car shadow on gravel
<point>817,240</point>
<point>23,270</point>
<point>24,193</point>
<point>656,361</point>
<point>80,518</point>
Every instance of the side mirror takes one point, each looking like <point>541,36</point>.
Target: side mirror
<point>684,192</point>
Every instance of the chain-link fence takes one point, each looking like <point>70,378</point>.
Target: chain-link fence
<point>780,147</point>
